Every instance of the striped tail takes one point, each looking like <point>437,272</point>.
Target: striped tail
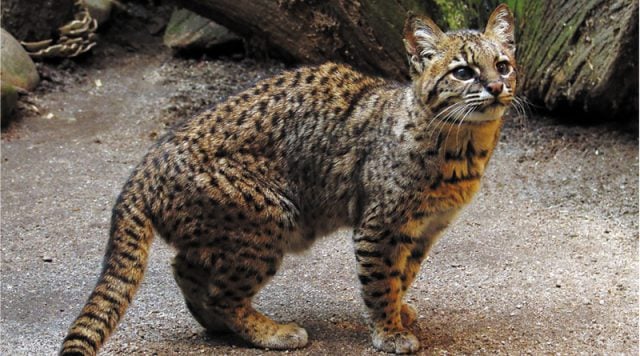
<point>123,267</point>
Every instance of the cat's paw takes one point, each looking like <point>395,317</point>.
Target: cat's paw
<point>287,336</point>
<point>408,315</point>
<point>399,342</point>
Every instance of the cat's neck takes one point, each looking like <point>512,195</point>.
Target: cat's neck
<point>437,137</point>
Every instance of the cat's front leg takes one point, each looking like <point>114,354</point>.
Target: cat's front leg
<point>382,258</point>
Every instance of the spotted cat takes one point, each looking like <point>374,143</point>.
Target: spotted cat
<point>296,157</point>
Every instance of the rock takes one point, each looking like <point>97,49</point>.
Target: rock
<point>99,9</point>
<point>9,100</point>
<point>16,67</point>
<point>35,20</point>
<point>189,31</point>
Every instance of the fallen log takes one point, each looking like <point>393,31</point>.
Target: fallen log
<point>573,54</point>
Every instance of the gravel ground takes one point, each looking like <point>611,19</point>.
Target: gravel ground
<point>545,260</point>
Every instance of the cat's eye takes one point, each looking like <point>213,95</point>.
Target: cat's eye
<point>463,73</point>
<point>503,67</point>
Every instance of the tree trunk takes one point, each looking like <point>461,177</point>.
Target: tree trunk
<point>572,53</point>
<point>580,54</point>
<point>365,34</point>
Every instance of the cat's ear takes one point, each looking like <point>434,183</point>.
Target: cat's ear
<point>501,27</point>
<point>421,38</point>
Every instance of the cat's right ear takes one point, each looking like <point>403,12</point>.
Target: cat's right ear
<point>421,38</point>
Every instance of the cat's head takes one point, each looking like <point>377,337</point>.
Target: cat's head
<point>463,75</point>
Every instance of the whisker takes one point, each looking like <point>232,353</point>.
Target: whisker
<point>452,116</point>
<point>522,108</point>
<point>460,114</point>
<point>470,109</point>
<point>440,119</point>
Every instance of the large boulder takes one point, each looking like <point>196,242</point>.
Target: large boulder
<point>16,67</point>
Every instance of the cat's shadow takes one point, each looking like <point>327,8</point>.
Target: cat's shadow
<point>331,334</point>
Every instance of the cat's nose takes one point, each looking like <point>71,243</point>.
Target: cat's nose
<point>495,88</point>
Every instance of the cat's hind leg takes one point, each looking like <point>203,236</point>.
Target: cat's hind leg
<point>247,268</point>
<point>193,282</point>
<point>262,331</point>
<point>219,292</point>
<point>230,244</point>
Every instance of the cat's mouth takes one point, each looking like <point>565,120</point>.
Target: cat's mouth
<point>489,111</point>
<point>491,107</point>
<point>496,103</point>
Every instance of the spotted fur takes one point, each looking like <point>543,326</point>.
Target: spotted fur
<point>298,156</point>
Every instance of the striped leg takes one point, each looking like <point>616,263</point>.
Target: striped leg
<point>193,284</point>
<point>418,251</point>
<point>219,295</point>
<point>381,262</point>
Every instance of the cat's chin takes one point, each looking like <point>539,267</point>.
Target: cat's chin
<point>489,113</point>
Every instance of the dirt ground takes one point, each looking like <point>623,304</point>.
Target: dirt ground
<point>545,260</point>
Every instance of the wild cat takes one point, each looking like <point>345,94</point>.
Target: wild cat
<point>298,156</point>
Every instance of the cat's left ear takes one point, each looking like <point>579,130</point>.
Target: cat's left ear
<point>501,27</point>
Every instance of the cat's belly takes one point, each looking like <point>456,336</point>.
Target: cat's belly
<point>306,232</point>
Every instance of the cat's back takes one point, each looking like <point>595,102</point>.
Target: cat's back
<point>289,104</point>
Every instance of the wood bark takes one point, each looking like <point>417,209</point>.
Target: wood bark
<point>580,54</point>
<point>365,34</point>
<point>572,53</point>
